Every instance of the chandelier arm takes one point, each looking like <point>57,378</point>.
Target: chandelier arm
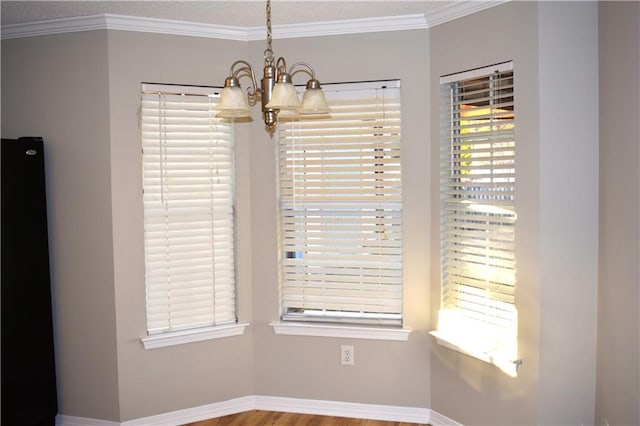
<point>307,68</point>
<point>246,70</point>
<point>281,65</point>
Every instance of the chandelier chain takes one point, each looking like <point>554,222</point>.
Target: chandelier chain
<point>268,54</point>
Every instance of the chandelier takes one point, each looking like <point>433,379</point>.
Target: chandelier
<point>276,92</point>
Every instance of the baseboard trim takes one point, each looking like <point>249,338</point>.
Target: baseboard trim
<point>63,420</point>
<point>274,403</point>
<point>343,409</point>
<point>437,419</point>
<point>195,414</point>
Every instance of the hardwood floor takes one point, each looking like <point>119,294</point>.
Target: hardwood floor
<point>268,418</point>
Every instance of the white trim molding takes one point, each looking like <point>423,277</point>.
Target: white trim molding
<point>350,26</point>
<point>448,11</point>
<point>54,26</point>
<point>195,29</point>
<point>437,419</point>
<point>340,330</point>
<point>343,409</point>
<point>123,23</point>
<point>271,403</point>
<point>196,414</point>
<point>173,27</point>
<point>187,336</point>
<point>62,420</point>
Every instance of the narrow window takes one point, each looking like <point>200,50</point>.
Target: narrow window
<point>340,193</point>
<point>189,223</point>
<point>478,216</point>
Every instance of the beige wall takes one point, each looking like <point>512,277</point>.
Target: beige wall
<point>144,383</point>
<point>167,379</point>
<point>618,390</point>
<point>483,394</point>
<point>55,87</point>
<point>392,373</point>
<point>80,92</point>
<point>554,48</point>
<point>568,66</point>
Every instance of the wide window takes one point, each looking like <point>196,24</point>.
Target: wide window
<point>478,215</point>
<point>188,182</point>
<point>340,193</point>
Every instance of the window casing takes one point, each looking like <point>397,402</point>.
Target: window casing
<point>189,212</point>
<point>478,216</point>
<point>340,209</point>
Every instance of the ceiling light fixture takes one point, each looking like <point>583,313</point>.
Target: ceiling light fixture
<point>276,92</point>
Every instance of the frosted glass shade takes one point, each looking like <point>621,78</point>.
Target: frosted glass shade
<point>314,102</point>
<point>233,103</point>
<point>288,114</point>
<point>284,96</point>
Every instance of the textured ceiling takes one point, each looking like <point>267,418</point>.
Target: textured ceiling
<point>239,13</point>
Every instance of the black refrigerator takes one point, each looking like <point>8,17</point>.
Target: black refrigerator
<point>28,363</point>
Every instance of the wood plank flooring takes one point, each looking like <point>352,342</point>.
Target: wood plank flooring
<point>270,418</point>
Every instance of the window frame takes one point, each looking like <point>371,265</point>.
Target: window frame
<point>186,127</point>
<point>336,324</point>
<point>478,314</point>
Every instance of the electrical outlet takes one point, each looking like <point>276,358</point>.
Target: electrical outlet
<point>347,355</point>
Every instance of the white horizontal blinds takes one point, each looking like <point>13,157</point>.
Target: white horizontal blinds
<point>341,209</point>
<point>188,180</point>
<point>478,177</point>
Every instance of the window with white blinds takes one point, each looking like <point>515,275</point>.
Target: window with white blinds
<point>478,178</point>
<point>340,191</point>
<point>188,182</point>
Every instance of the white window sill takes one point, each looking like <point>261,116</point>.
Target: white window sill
<point>188,336</point>
<point>341,330</point>
<point>507,365</point>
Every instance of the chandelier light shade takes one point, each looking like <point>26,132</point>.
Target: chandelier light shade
<point>313,100</point>
<point>284,95</point>
<point>277,94</point>
<point>288,114</point>
<point>233,103</point>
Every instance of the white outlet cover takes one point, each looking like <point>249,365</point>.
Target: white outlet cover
<point>347,355</point>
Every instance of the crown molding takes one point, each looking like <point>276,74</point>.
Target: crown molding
<point>54,26</point>
<point>351,26</point>
<point>193,29</point>
<point>123,23</point>
<point>449,11</point>
<point>442,14</point>
<point>171,27</point>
